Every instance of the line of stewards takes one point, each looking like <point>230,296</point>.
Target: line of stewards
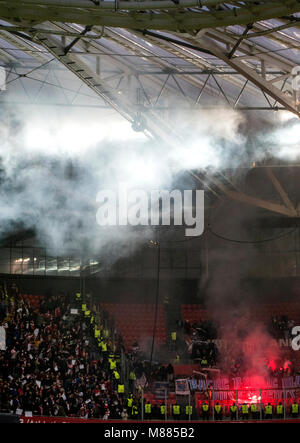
<point>150,412</point>
<point>177,411</point>
<point>245,411</point>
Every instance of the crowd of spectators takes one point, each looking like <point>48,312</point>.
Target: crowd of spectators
<point>201,342</point>
<point>54,365</point>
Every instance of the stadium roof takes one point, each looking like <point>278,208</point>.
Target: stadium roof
<point>135,55</point>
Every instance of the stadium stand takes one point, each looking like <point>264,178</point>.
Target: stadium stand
<point>136,321</point>
<point>56,364</point>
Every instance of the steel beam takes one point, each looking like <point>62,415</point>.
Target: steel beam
<point>251,75</point>
<point>175,20</point>
<point>155,127</point>
<point>130,5</point>
<point>281,192</point>
<point>192,57</point>
<point>129,68</point>
<point>24,45</point>
<point>253,201</point>
<point>250,49</point>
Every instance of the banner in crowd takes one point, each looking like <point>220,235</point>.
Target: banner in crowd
<point>249,346</point>
<point>36,419</point>
<point>161,389</point>
<point>226,389</point>
<point>2,339</point>
<point>229,383</point>
<point>182,387</point>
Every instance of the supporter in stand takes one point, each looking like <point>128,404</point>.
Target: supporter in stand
<point>281,326</point>
<point>204,349</point>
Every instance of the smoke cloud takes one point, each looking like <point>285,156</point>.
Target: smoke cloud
<point>53,165</point>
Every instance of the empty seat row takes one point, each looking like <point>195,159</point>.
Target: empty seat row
<point>136,321</point>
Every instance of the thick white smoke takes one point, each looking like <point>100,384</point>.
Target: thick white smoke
<point>284,141</point>
<point>54,163</point>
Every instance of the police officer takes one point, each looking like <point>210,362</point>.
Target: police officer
<point>176,411</point>
<point>174,339</point>
<point>294,409</point>
<point>132,379</point>
<point>268,411</point>
<point>188,412</point>
<point>163,411</point>
<point>218,411</point>
<point>134,411</point>
<point>97,332</point>
<point>233,411</point>
<point>205,411</point>
<point>78,298</point>
<point>148,410</point>
<point>116,374</point>
<point>121,390</point>
<point>112,363</point>
<point>116,378</point>
<point>103,345</point>
<point>204,362</point>
<point>279,410</point>
<point>245,411</point>
<point>130,401</point>
<point>254,411</point>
